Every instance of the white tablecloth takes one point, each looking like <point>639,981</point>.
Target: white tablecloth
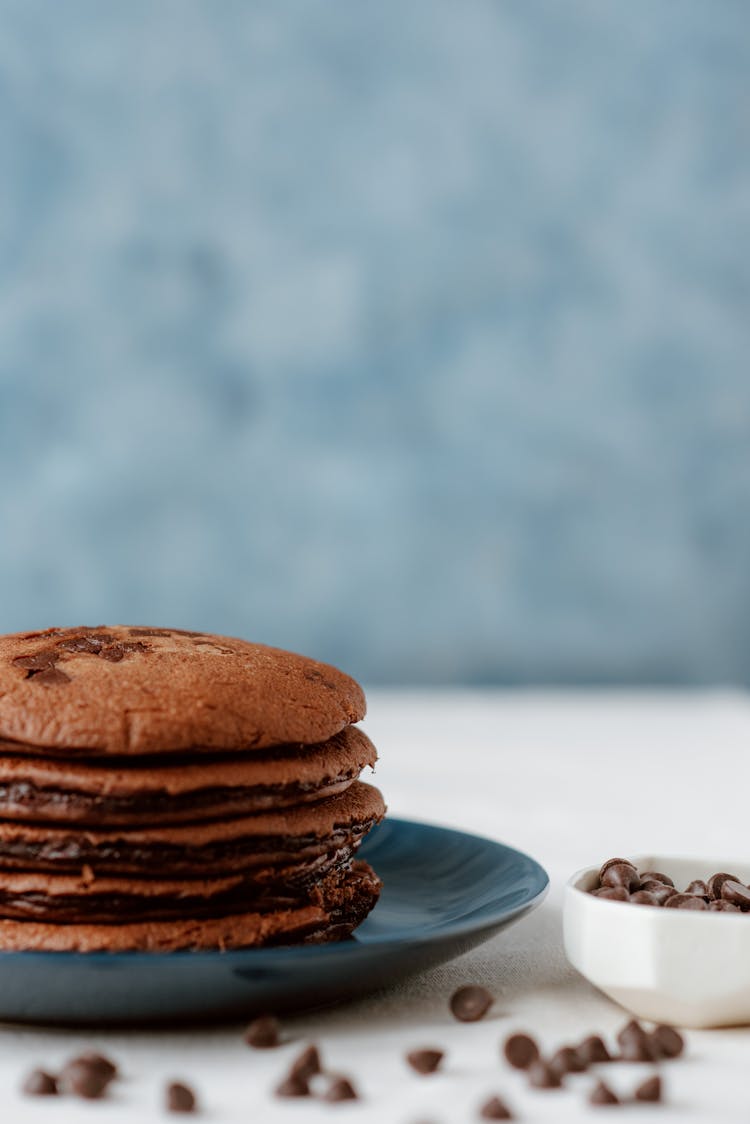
<point>572,778</point>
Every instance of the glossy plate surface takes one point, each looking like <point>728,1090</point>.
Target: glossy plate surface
<point>444,892</point>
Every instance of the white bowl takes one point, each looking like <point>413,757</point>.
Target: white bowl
<point>686,967</point>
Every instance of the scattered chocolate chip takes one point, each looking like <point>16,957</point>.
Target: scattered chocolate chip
<point>568,1060</point>
<point>656,876</point>
<point>542,1076</point>
<point>180,1098</point>
<point>470,1003</point>
<point>736,894</point>
<point>495,1109</point>
<point>99,1062</point>
<point>84,1079</point>
<point>114,653</point>
<point>340,1089</point>
<point>293,1086</point>
<point>697,887</point>
<point>424,1061</point>
<point>635,1043</point>
<point>716,881</point>
<point>685,901</point>
<point>521,1050</point>
<point>613,893</point>
<point>669,1041</point>
<point>649,1090</point>
<point>601,1094</point>
<point>39,1083</point>
<point>645,897</point>
<point>307,1064</point>
<point>263,1033</point>
<point>593,1050</point>
<point>621,874</point>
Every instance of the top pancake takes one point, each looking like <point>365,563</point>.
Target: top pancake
<point>125,690</point>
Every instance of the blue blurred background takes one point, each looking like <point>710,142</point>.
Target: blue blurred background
<point>411,336</point>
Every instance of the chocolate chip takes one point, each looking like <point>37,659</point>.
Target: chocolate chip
<point>495,1109</point>
<point>102,1065</point>
<point>307,1064</point>
<point>470,1003</point>
<point>114,653</point>
<point>51,677</point>
<point>593,1050</point>
<point>612,893</point>
<point>340,1089</point>
<point>613,862</point>
<point>88,644</point>
<point>293,1086</point>
<point>635,1044</point>
<point>39,1083</point>
<point>543,1076</point>
<point>645,897</point>
<point>669,1041</point>
<point>180,1098</point>
<point>656,876</point>
<point>263,1033</point>
<point>659,890</point>
<point>716,881</point>
<point>424,1061</point>
<point>520,1050</point>
<point>601,1094</point>
<point>620,881</point>
<point>621,874</point>
<point>568,1060</point>
<point>723,907</point>
<point>649,1090</point>
<point>685,901</point>
<point>736,894</point>
<point>84,1080</point>
<point>38,662</point>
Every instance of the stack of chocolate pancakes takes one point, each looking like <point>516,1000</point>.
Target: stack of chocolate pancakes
<point>162,789</point>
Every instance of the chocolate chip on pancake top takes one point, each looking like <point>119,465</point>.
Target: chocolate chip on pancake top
<point>162,789</point>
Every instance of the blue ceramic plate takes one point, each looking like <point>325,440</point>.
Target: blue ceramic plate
<point>443,892</point>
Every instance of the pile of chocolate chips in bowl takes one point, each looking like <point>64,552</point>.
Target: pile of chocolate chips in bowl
<point>621,881</point>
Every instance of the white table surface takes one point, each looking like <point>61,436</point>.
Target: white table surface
<point>571,778</point>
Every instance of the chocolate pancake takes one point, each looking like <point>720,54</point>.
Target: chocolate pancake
<point>298,837</point>
<point>168,790</point>
<point>340,903</point>
<point>69,899</point>
<point>132,690</point>
<point>108,792</point>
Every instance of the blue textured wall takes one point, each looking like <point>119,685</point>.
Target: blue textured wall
<point>412,335</point>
